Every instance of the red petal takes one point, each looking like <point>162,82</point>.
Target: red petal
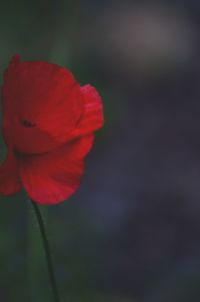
<point>9,175</point>
<point>53,177</point>
<point>92,117</point>
<point>44,95</point>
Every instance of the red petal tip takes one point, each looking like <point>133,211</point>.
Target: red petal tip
<point>15,59</point>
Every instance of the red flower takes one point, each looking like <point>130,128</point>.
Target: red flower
<point>48,125</point>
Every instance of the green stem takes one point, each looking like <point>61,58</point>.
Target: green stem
<point>47,252</point>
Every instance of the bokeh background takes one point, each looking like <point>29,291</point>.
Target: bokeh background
<point>132,231</point>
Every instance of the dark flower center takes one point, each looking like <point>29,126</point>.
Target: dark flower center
<point>27,124</point>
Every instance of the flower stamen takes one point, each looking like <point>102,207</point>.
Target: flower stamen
<point>27,124</point>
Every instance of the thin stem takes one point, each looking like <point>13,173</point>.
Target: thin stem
<point>47,252</point>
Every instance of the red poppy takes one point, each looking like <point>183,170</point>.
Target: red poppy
<point>48,126</point>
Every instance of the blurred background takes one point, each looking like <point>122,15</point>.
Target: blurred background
<point>132,231</point>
